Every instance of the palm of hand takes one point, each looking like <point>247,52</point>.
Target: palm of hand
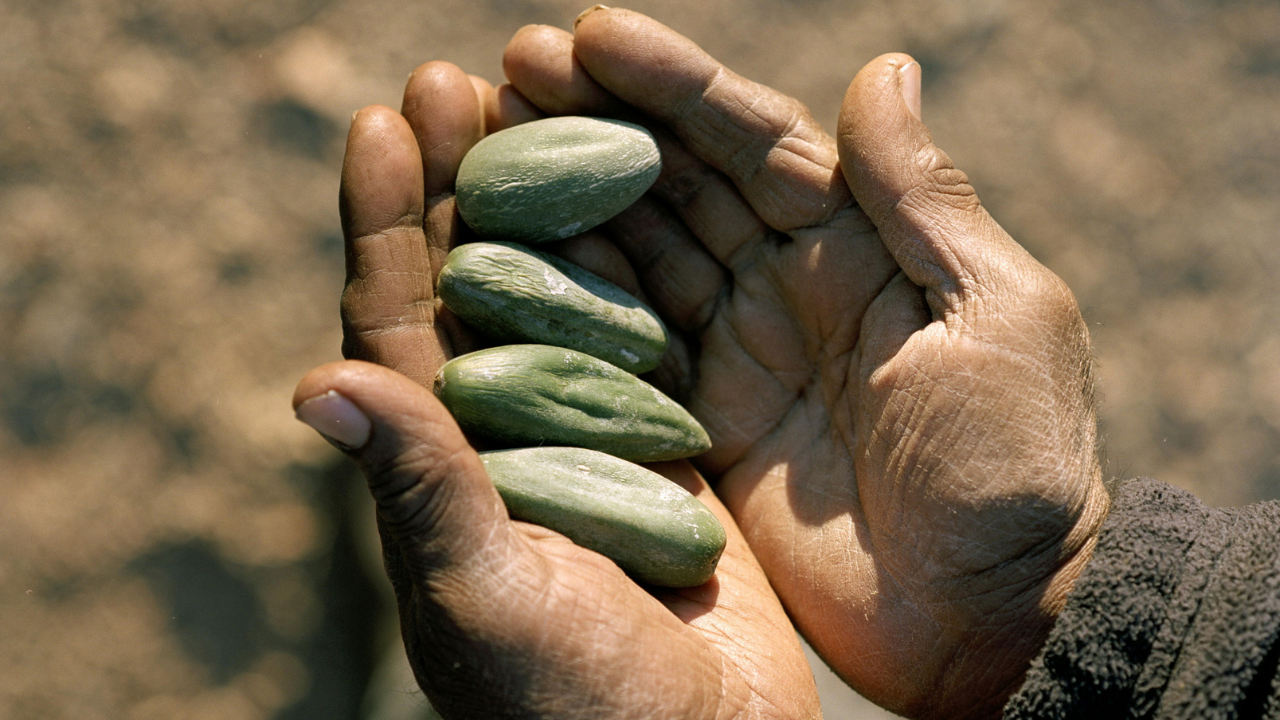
<point>576,637</point>
<point>837,405</point>
<point>910,493</point>
<point>913,464</point>
<point>502,617</point>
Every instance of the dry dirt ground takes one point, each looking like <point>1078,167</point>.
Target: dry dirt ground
<point>174,545</point>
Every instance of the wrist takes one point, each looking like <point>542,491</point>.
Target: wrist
<point>1001,651</point>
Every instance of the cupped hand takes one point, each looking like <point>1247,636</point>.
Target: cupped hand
<point>899,394</point>
<point>503,618</point>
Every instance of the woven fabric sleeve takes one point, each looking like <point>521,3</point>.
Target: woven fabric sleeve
<point>1176,616</point>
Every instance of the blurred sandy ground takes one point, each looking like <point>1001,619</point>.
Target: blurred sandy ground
<point>174,545</point>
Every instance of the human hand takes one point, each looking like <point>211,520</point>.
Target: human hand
<point>898,394</point>
<point>503,618</point>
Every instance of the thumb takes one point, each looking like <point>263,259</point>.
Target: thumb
<point>434,498</point>
<point>928,215</point>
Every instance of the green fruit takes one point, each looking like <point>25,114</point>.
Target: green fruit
<point>521,395</point>
<point>552,178</point>
<point>515,294</point>
<point>651,527</point>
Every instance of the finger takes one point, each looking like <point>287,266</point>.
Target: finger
<point>387,316</point>
<point>381,174</point>
<point>768,144</point>
<point>433,495</point>
<point>540,61</point>
<point>444,111</point>
<point>484,97</point>
<point>927,213</point>
<point>593,252</point>
<point>676,374</point>
<point>502,107</point>
<point>684,283</point>
<point>897,313</point>
<point>506,107</point>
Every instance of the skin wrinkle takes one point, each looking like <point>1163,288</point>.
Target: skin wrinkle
<point>367,252</point>
<point>914,210</point>
<point>1043,379</point>
<point>719,97</point>
<point>813,148</point>
<point>690,118</point>
<point>807,254</point>
<point>834,341</point>
<point>367,308</point>
<point>682,193</point>
<point>747,256</point>
<point>1050,542</point>
<point>783,197</point>
<point>750,160</point>
<point>905,448</point>
<point>731,322</point>
<point>717,425</point>
<point>658,261</point>
<point>898,592</point>
<point>804,409</point>
<point>480,609</point>
<point>743,295</point>
<point>424,315</point>
<point>899,522</point>
<point>768,431</point>
<point>410,220</point>
<point>474,592</point>
<point>788,196</point>
<point>705,313</point>
<point>418,506</point>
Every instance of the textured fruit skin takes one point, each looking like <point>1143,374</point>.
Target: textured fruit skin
<point>523,395</point>
<point>652,528</point>
<point>552,178</point>
<point>516,294</point>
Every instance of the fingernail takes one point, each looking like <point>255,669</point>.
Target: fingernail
<point>587,12</point>
<point>337,419</point>
<point>909,84</point>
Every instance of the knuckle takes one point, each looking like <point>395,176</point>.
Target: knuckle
<point>943,183</point>
<point>1055,300</point>
<point>412,487</point>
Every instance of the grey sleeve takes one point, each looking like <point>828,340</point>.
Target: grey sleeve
<point>1176,616</point>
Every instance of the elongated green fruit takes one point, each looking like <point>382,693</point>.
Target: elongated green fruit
<point>651,527</point>
<point>552,178</point>
<point>521,395</point>
<point>517,294</point>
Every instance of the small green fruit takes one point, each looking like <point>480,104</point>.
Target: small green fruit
<point>522,395</point>
<point>549,179</point>
<point>651,527</point>
<point>515,294</point>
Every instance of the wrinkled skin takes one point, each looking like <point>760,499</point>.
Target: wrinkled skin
<point>898,395</point>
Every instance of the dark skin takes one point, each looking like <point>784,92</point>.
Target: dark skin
<point>897,392</point>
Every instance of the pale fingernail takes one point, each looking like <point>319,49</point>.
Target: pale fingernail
<point>336,418</point>
<point>909,84</point>
<point>588,11</point>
